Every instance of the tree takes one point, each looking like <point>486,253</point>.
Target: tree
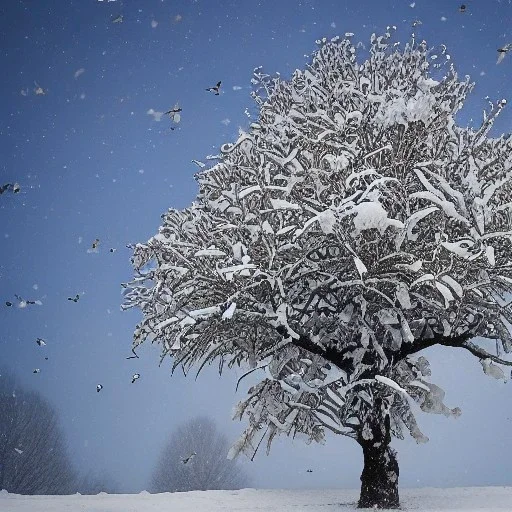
<point>195,459</point>
<point>353,226</point>
<point>33,453</point>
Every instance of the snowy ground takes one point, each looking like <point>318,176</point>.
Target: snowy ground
<point>464,499</point>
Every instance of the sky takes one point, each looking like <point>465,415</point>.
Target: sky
<point>93,164</point>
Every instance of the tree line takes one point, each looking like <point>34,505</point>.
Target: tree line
<point>35,460</point>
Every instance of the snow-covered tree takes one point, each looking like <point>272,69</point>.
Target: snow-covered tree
<point>353,226</point>
<point>194,459</point>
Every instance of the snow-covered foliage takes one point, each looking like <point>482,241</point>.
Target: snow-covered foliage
<point>352,226</point>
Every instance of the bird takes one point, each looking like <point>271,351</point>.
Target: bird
<point>135,377</point>
<point>186,460</point>
<point>112,249</point>
<point>40,342</point>
<point>13,186</point>
<point>503,51</point>
<point>37,370</point>
<point>75,298</point>
<point>7,303</point>
<point>174,113</point>
<point>38,89</point>
<point>99,387</point>
<point>17,450</point>
<point>24,303</point>
<point>462,8</point>
<point>215,89</point>
<point>309,471</point>
<point>119,19</point>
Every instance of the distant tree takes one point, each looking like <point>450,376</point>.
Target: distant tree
<point>33,453</point>
<point>195,459</point>
<point>353,226</point>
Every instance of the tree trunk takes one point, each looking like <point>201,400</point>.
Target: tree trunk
<point>379,479</point>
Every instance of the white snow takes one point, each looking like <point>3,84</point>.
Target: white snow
<point>391,383</point>
<point>463,499</point>
<point>371,214</point>
<point>229,312</point>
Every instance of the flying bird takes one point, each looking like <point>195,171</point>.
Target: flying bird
<point>37,370</point>
<point>24,303</point>
<point>186,460</point>
<point>215,89</point>
<point>174,113</point>
<point>112,249</point>
<point>94,246</point>
<point>135,377</point>
<point>462,8</point>
<point>40,342</point>
<point>119,19</point>
<point>38,89</point>
<point>503,51</point>
<point>99,387</point>
<point>17,450</point>
<point>13,186</point>
<point>75,298</point>
<point>7,303</point>
<point>309,471</point>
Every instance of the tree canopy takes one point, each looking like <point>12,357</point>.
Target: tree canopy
<point>354,225</point>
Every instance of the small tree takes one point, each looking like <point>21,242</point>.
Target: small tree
<point>33,453</point>
<point>353,226</point>
<point>195,459</point>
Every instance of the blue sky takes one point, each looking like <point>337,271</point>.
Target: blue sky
<point>93,164</point>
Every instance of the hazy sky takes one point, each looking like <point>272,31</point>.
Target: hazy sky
<point>93,164</point>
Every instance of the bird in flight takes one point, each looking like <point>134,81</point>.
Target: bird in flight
<point>174,113</point>
<point>24,303</point>
<point>38,90</point>
<point>40,342</point>
<point>119,19</point>
<point>503,51</point>
<point>99,387</point>
<point>215,89</point>
<point>37,370</point>
<point>462,8</point>
<point>186,460</point>
<point>75,298</point>
<point>135,377</point>
<point>15,187</point>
